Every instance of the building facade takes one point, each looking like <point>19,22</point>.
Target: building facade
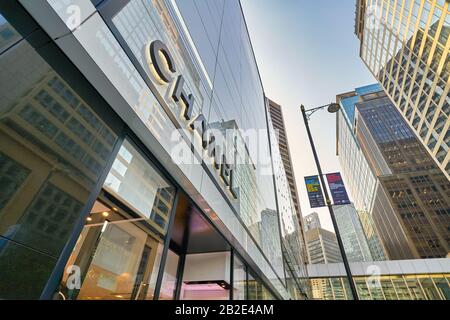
<point>118,180</point>
<point>410,180</point>
<point>276,115</point>
<point>376,247</point>
<point>405,44</point>
<point>284,164</point>
<point>322,246</point>
<point>386,280</point>
<point>311,221</point>
<point>352,233</point>
<point>407,195</point>
<point>361,182</point>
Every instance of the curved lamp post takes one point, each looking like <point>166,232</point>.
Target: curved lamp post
<point>332,108</point>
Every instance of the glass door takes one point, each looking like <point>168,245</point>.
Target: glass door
<point>114,259</point>
<point>118,253</point>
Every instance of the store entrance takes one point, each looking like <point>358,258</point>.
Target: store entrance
<point>115,258</point>
<point>118,256</point>
<point>204,273</point>
<point>145,239</point>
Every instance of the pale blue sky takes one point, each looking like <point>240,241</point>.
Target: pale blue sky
<point>307,53</point>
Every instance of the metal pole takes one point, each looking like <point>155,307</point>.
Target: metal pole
<point>330,208</point>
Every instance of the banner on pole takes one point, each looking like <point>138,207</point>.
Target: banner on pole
<point>337,189</point>
<point>315,195</point>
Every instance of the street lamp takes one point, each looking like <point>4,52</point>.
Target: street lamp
<point>332,108</point>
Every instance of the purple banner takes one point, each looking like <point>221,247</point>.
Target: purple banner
<point>337,189</point>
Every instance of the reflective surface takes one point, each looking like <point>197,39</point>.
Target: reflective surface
<point>405,45</point>
<point>410,287</point>
<point>53,149</point>
<point>118,253</point>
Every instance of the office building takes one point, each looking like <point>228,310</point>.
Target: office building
<point>276,115</point>
<point>427,279</point>
<point>311,221</point>
<point>285,165</point>
<point>405,44</point>
<point>322,246</point>
<point>376,248</point>
<point>117,182</point>
<point>408,195</point>
<point>352,233</point>
<point>360,181</point>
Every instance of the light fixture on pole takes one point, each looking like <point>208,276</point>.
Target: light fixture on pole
<point>332,108</point>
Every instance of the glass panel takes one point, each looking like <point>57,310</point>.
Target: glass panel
<point>54,148</point>
<point>338,289</point>
<point>414,287</point>
<point>328,290</point>
<point>118,253</point>
<point>348,290</point>
<point>8,35</point>
<point>401,288</point>
<point>169,281</point>
<point>267,295</point>
<point>363,291</point>
<point>388,289</point>
<point>429,288</point>
<point>239,279</point>
<point>254,288</point>
<point>33,269</point>
<point>133,180</point>
<point>442,286</point>
<point>115,258</point>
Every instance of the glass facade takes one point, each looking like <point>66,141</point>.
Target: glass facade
<point>55,141</point>
<point>405,202</point>
<point>322,246</point>
<point>398,287</point>
<point>352,234</point>
<point>405,46</point>
<point>361,182</point>
<point>414,186</point>
<point>120,199</point>
<point>118,253</point>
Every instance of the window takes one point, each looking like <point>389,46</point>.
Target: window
<point>169,280</point>
<point>239,279</point>
<point>135,182</point>
<point>118,254</point>
<point>50,159</point>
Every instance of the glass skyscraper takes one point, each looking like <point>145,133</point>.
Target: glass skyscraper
<point>352,233</point>
<point>405,44</point>
<point>418,279</point>
<point>361,181</point>
<point>409,196</point>
<point>125,165</point>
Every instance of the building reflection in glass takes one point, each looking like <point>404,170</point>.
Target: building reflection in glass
<point>53,148</point>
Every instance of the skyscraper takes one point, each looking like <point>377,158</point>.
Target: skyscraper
<point>276,115</point>
<point>322,246</point>
<point>311,221</point>
<point>405,44</point>
<point>408,194</point>
<point>283,162</point>
<point>352,233</point>
<point>361,182</point>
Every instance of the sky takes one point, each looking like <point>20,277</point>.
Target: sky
<point>307,53</point>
